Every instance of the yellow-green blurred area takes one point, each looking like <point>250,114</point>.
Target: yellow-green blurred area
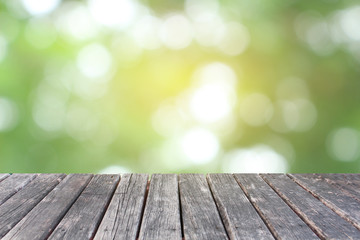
<point>179,86</point>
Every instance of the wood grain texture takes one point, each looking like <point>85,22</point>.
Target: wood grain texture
<point>238,214</point>
<point>346,177</point>
<point>13,210</point>
<point>84,216</point>
<point>201,219</point>
<point>188,206</point>
<point>3,176</point>
<point>281,219</point>
<point>161,219</point>
<point>350,177</point>
<point>326,223</point>
<point>10,185</point>
<point>123,216</point>
<point>346,206</point>
<point>349,187</point>
<point>44,217</point>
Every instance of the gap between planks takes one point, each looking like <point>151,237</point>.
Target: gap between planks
<point>69,205</point>
<point>329,198</point>
<point>217,206</point>
<point>106,208</point>
<point>180,209</point>
<point>267,224</point>
<point>329,226</point>
<point>143,207</point>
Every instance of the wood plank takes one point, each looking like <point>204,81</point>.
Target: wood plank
<point>10,185</point>
<point>13,210</point>
<point>161,219</point>
<point>238,214</point>
<point>351,177</point>
<point>281,219</point>
<point>44,217</point>
<point>200,216</point>
<point>347,177</point>
<point>123,216</point>
<point>350,187</point>
<point>83,218</point>
<point>323,221</point>
<point>3,176</point>
<point>346,206</point>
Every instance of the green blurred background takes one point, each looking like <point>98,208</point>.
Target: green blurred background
<point>109,86</point>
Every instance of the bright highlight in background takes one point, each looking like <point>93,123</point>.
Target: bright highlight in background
<point>76,22</point>
<point>145,32</point>
<point>200,145</point>
<point>114,169</point>
<point>344,144</point>
<point>8,115</point>
<point>94,60</point>
<point>113,13</point>
<point>213,97</point>
<point>210,103</point>
<point>176,32</point>
<point>235,40</point>
<point>258,159</point>
<point>40,7</point>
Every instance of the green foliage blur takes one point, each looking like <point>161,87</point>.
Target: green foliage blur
<point>179,86</point>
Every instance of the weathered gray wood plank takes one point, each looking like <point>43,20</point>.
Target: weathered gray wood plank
<point>14,209</point>
<point>347,177</point>
<point>238,214</point>
<point>10,185</point>
<point>161,219</point>
<point>346,206</point>
<point>326,223</point>
<point>352,177</point>
<point>82,219</point>
<point>123,216</point>
<point>281,219</point>
<point>201,219</point>
<point>3,176</point>
<point>44,217</point>
<point>350,187</point>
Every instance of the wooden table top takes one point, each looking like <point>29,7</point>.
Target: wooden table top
<point>184,206</point>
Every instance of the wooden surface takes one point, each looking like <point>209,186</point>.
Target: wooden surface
<point>201,220</point>
<point>185,206</point>
<point>123,216</point>
<point>323,221</point>
<point>239,216</point>
<point>91,205</point>
<point>15,209</point>
<point>10,185</point>
<point>278,216</point>
<point>161,219</point>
